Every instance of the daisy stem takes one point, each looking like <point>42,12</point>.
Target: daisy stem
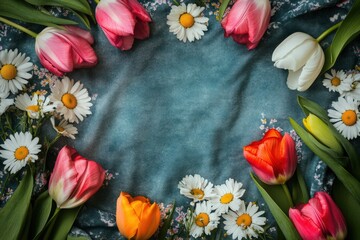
<point>97,1</point>
<point>21,28</point>
<point>176,3</point>
<point>222,9</point>
<point>287,194</point>
<point>328,31</point>
<point>4,185</point>
<point>48,145</point>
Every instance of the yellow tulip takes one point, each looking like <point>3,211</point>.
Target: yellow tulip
<point>322,133</point>
<point>136,218</point>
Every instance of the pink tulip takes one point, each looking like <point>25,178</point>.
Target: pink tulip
<point>63,50</point>
<point>319,219</point>
<point>74,179</point>
<point>273,158</point>
<point>122,21</point>
<point>247,21</point>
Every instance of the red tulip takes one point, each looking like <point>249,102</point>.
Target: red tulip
<point>122,21</point>
<point>319,219</point>
<point>273,158</point>
<point>63,50</point>
<point>74,179</point>
<point>247,21</point>
<point>136,218</point>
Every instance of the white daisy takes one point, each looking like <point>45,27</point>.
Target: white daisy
<point>36,106</point>
<point>196,188</point>
<point>64,128</point>
<point>18,150</point>
<point>345,117</point>
<point>245,222</point>
<point>71,100</point>
<point>14,68</point>
<point>204,221</point>
<point>5,103</point>
<point>354,91</point>
<point>227,196</point>
<point>337,81</point>
<point>187,22</point>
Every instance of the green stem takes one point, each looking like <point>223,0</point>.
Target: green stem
<point>176,3</point>
<point>328,31</point>
<point>97,1</point>
<point>48,145</point>
<point>21,28</point>
<point>287,194</point>
<point>46,232</point>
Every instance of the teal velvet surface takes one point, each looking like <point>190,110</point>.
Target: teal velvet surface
<point>166,109</point>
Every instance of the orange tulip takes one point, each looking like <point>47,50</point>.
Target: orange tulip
<point>136,218</point>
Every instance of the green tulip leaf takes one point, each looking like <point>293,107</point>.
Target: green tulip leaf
<point>63,223</point>
<point>351,183</point>
<point>299,190</point>
<point>348,30</point>
<point>42,207</point>
<point>349,207</point>
<point>79,5</point>
<point>84,19</point>
<point>312,107</point>
<point>77,238</point>
<point>309,106</point>
<point>25,12</point>
<point>280,217</point>
<point>15,213</point>
<point>222,9</point>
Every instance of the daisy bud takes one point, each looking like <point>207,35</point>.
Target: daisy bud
<point>322,133</point>
<point>122,21</point>
<point>74,179</point>
<point>302,55</point>
<point>320,218</point>
<point>136,218</point>
<point>273,158</point>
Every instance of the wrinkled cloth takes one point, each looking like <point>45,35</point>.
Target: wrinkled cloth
<point>166,109</point>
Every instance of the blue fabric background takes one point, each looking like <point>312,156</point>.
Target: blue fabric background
<point>166,108</point>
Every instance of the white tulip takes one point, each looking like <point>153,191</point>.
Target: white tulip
<point>303,56</point>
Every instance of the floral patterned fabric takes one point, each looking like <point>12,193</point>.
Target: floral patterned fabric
<point>166,109</point>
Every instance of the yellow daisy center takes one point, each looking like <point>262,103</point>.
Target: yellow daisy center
<point>198,193</point>
<point>69,100</point>
<point>349,117</point>
<point>202,219</point>
<point>34,108</point>
<point>21,153</point>
<point>244,220</point>
<point>226,198</point>
<point>187,20</point>
<point>8,72</point>
<point>335,81</point>
<point>60,129</point>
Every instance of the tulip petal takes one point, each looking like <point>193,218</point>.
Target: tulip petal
<point>142,30</point>
<point>90,178</point>
<point>150,220</point>
<point>63,178</point>
<point>288,153</point>
<point>81,33</point>
<point>292,41</point>
<point>307,229</point>
<point>312,69</point>
<point>126,219</point>
<point>116,17</point>
<point>139,11</point>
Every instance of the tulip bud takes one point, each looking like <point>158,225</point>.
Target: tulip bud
<point>63,50</point>
<point>122,21</point>
<point>302,55</point>
<point>322,133</point>
<point>74,179</point>
<point>320,218</point>
<point>273,158</point>
<point>247,21</point>
<point>136,218</point>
